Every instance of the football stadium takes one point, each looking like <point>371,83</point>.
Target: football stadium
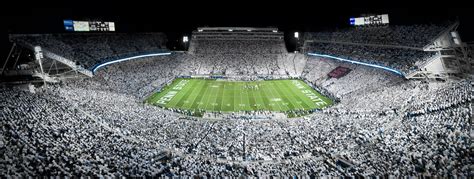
<point>372,95</point>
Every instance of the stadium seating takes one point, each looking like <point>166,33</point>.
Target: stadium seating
<point>395,35</point>
<point>381,125</point>
<point>88,50</point>
<point>403,60</point>
<point>239,57</point>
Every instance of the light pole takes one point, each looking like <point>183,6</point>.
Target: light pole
<point>185,41</point>
<point>297,38</point>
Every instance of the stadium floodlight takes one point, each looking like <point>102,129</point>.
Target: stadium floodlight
<point>297,35</point>
<point>185,39</point>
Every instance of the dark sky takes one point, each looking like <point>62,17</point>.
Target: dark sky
<point>147,18</point>
<point>179,18</point>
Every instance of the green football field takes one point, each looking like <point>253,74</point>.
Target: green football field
<point>229,96</point>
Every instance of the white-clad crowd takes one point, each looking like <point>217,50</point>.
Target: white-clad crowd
<point>397,35</point>
<point>99,127</point>
<point>89,49</point>
<point>240,57</point>
<point>381,125</point>
<point>403,60</point>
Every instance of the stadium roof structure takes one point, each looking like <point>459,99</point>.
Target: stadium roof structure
<point>237,33</point>
<point>245,29</point>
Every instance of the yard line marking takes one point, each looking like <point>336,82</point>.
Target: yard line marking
<point>273,95</point>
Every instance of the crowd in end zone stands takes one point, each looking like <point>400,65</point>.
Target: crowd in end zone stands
<point>382,124</point>
<point>239,57</point>
<point>404,60</point>
<point>398,47</point>
<point>395,35</point>
<point>91,49</point>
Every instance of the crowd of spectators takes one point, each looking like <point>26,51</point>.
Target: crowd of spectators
<point>381,125</point>
<point>396,35</point>
<point>89,49</point>
<point>403,60</point>
<point>98,126</point>
<point>70,131</point>
<point>240,57</point>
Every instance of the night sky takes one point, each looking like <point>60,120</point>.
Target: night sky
<point>178,19</point>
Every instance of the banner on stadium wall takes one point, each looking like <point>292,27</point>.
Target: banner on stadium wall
<point>339,72</point>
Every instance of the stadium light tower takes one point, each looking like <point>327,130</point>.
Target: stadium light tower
<point>297,40</point>
<point>39,56</point>
<point>185,42</point>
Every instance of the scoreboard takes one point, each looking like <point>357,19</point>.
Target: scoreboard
<point>85,26</point>
<point>369,20</point>
<point>101,26</point>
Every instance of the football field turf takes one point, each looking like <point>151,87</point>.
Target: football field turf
<point>229,96</point>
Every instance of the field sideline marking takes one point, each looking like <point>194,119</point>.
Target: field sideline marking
<point>222,100</point>
<point>273,95</point>
<point>205,93</point>
<point>283,92</point>
<point>180,98</point>
<point>169,90</point>
<point>233,95</point>
<point>299,94</point>
<point>197,95</point>
<point>319,95</point>
<point>290,98</point>
<point>200,93</point>
<point>296,94</point>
